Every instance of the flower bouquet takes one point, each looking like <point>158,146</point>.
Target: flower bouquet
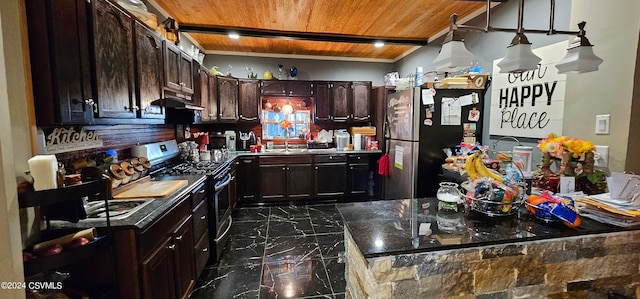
<point>576,159</point>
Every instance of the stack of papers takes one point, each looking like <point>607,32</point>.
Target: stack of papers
<point>605,209</point>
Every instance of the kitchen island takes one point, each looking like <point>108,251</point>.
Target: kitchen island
<point>408,249</point>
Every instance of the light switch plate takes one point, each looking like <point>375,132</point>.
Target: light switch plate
<point>602,124</point>
<point>601,158</point>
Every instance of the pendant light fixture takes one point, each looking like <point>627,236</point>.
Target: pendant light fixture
<point>580,57</point>
<point>519,58</point>
<point>287,108</point>
<point>453,56</point>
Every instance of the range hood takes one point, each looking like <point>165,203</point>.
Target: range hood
<point>178,103</point>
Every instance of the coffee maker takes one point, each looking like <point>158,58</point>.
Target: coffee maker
<point>246,140</point>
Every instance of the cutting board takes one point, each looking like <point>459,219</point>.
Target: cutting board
<point>152,189</point>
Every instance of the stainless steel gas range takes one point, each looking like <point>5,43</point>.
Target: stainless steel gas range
<point>164,155</point>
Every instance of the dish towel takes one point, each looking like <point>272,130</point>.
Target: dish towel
<point>383,165</point>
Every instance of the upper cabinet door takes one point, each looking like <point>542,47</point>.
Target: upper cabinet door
<point>60,62</point>
<point>274,88</point>
<point>186,73</point>
<point>248,100</point>
<point>201,92</point>
<point>341,98</point>
<point>300,89</point>
<point>172,58</point>
<point>113,46</point>
<point>322,111</point>
<point>361,101</point>
<point>228,99</point>
<point>210,113</point>
<point>148,60</point>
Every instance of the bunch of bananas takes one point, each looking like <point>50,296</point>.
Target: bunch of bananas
<point>475,169</point>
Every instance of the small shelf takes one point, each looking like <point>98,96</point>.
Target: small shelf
<point>64,194</point>
<point>66,257</point>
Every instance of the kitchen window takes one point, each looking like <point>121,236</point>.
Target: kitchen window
<point>272,117</point>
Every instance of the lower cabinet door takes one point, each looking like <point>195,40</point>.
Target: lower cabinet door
<point>272,182</point>
<point>158,279</point>
<point>358,180</point>
<point>183,258</point>
<point>299,181</point>
<point>330,180</point>
<point>201,252</point>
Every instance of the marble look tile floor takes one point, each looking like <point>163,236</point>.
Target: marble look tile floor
<point>291,251</point>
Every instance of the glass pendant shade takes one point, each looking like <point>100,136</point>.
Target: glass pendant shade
<point>287,109</point>
<point>579,60</point>
<point>453,57</point>
<point>519,59</point>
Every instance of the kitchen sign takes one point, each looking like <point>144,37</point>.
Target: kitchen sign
<point>67,139</point>
<point>530,104</point>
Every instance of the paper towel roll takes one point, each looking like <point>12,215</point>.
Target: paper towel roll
<point>44,170</point>
<point>357,142</point>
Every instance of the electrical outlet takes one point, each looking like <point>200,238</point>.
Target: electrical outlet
<point>601,157</point>
<point>602,124</point>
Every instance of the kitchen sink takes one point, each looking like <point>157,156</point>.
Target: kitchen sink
<point>118,208</point>
<point>301,150</point>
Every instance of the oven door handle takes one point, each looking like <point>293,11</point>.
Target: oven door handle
<point>226,231</point>
<point>221,184</point>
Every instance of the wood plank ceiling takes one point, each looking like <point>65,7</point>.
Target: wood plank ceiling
<point>422,20</point>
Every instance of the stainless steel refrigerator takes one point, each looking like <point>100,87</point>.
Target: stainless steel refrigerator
<point>402,142</point>
<point>415,139</point>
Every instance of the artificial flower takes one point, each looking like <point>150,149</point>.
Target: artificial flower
<point>285,124</point>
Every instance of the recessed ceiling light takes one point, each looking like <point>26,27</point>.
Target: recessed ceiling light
<point>379,44</point>
<point>234,36</point>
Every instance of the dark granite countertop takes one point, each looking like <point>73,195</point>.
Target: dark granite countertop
<point>304,151</point>
<point>391,227</point>
<point>147,214</point>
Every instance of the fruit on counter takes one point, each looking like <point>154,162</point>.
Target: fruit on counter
<point>28,256</point>
<point>77,242</point>
<point>49,250</point>
<point>475,169</point>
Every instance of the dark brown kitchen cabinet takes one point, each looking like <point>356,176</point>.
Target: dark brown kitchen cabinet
<point>210,112</point>
<point>333,102</point>
<point>287,88</point>
<point>227,99</point>
<point>183,258</point>
<point>164,259</point>
<point>158,273</point>
<point>273,181</point>
<point>273,88</point>
<point>233,186</point>
<point>322,111</point>
<point>201,92</point>
<point>248,99</point>
<point>341,101</point>
<point>114,65</point>
<point>178,70</point>
<point>301,89</point>
<point>149,61</point>
<point>60,61</point>
<point>247,167</point>
<point>285,177</point>
<point>358,176</point>
<point>169,271</point>
<point>361,101</point>
<point>330,176</point>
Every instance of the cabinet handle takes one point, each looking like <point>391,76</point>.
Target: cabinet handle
<point>330,157</point>
<point>351,168</point>
<point>172,247</point>
<point>178,238</point>
<point>203,217</point>
<point>202,191</point>
<point>316,167</point>
<point>284,168</point>
<point>248,118</point>
<point>205,249</point>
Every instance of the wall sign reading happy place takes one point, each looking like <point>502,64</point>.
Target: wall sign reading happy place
<point>530,104</point>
